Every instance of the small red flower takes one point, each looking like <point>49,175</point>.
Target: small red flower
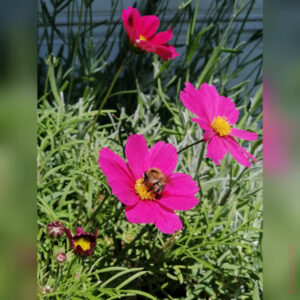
<point>141,32</point>
<point>55,229</point>
<point>82,242</point>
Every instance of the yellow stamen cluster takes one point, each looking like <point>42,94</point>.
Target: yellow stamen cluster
<point>143,38</point>
<point>221,126</point>
<point>85,244</point>
<point>142,190</point>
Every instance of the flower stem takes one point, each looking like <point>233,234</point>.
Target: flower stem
<point>170,240</point>
<point>71,264</point>
<point>198,168</point>
<point>45,92</point>
<point>105,99</point>
<point>58,276</point>
<point>97,210</point>
<point>188,146</point>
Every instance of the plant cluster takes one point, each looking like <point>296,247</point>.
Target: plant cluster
<point>120,131</point>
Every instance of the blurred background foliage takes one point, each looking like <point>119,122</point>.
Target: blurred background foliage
<point>218,253</point>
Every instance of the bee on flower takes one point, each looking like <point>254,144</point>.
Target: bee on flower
<point>147,184</point>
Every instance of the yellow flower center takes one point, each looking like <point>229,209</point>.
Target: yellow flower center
<point>142,190</point>
<point>143,38</point>
<point>221,126</point>
<point>83,243</point>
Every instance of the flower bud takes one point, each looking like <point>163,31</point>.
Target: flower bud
<point>60,257</point>
<point>55,229</point>
<point>46,290</point>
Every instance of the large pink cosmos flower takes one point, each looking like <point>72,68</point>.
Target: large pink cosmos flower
<point>141,32</point>
<point>216,115</point>
<point>148,201</point>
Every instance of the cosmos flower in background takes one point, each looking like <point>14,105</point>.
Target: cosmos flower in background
<point>82,242</point>
<point>141,32</point>
<point>216,114</point>
<point>147,185</point>
<point>55,229</point>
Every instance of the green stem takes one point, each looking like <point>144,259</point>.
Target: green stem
<point>45,92</point>
<point>199,160</point>
<point>188,146</point>
<point>49,256</point>
<point>170,240</point>
<point>58,275</point>
<point>97,210</point>
<point>71,264</point>
<point>105,99</point>
<point>198,168</point>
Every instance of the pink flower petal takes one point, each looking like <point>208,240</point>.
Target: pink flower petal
<point>206,103</point>
<point>162,37</point>
<point>119,177</point>
<point>167,221</point>
<point>114,167</point>
<point>181,184</point>
<point>69,236</point>
<point>79,231</point>
<point>228,110</point>
<point>165,51</point>
<point>126,195</point>
<point>209,98</point>
<point>137,155</point>
<point>173,52</point>
<point>148,26</point>
<point>195,102</point>
<point>131,21</point>
<point>243,134</point>
<point>209,134</point>
<point>238,152</point>
<point>179,193</point>
<point>163,157</point>
<point>216,149</point>
<point>172,49</point>
<point>203,123</point>
<point>178,202</point>
<point>142,212</point>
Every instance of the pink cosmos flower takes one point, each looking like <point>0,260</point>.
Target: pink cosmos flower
<point>216,115</point>
<point>147,185</point>
<point>141,32</point>
<point>82,242</point>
